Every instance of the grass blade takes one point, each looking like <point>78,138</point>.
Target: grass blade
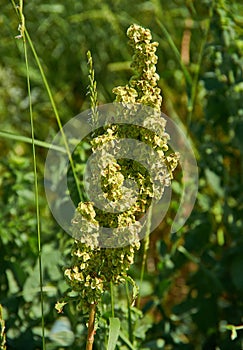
<point>22,31</point>
<point>25,139</point>
<point>55,111</point>
<point>127,341</point>
<point>176,52</point>
<point>24,34</point>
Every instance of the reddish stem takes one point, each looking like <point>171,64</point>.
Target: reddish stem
<point>91,327</point>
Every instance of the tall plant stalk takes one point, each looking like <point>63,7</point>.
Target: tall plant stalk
<point>91,327</point>
<point>24,33</point>
<point>23,36</point>
<point>194,85</point>
<point>100,261</point>
<point>92,91</point>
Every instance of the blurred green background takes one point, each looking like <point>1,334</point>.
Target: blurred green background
<point>193,284</point>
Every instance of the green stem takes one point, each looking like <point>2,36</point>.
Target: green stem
<point>56,114</point>
<point>129,316</point>
<point>176,51</point>
<point>194,86</point>
<point>229,326</point>
<point>112,300</point>
<point>91,327</point>
<point>25,33</point>
<point>35,173</point>
<point>145,252</point>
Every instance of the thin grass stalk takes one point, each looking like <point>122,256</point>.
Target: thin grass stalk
<point>194,85</point>
<point>56,114</point>
<point>176,52</point>
<point>35,173</point>
<point>93,95</point>
<point>53,104</point>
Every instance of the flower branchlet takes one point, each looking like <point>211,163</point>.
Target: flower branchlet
<point>142,87</point>
<point>92,270</point>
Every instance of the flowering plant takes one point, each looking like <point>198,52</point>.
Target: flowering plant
<point>95,262</point>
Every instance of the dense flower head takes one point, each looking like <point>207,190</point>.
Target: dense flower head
<point>142,87</point>
<point>92,270</point>
<point>93,267</point>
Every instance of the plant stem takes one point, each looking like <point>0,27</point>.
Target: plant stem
<point>22,31</point>
<point>91,327</point>
<point>194,85</point>
<point>175,51</point>
<point>130,330</point>
<point>145,252</point>
<point>112,300</point>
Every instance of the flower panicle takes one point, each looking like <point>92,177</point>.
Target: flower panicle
<point>142,87</point>
<point>93,268</point>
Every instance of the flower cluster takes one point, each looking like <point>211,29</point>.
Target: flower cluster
<point>92,270</point>
<point>142,87</point>
<point>93,267</point>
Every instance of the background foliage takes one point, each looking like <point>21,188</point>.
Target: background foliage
<point>193,285</point>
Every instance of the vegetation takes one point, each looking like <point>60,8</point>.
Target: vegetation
<point>190,281</point>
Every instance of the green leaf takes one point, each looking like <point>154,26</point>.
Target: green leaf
<point>61,332</point>
<point>214,182</point>
<point>127,341</point>
<point>12,283</point>
<point>135,288</point>
<point>114,330</point>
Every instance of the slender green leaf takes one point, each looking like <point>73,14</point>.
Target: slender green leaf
<point>11,136</point>
<point>176,51</point>
<point>127,341</point>
<point>114,330</point>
